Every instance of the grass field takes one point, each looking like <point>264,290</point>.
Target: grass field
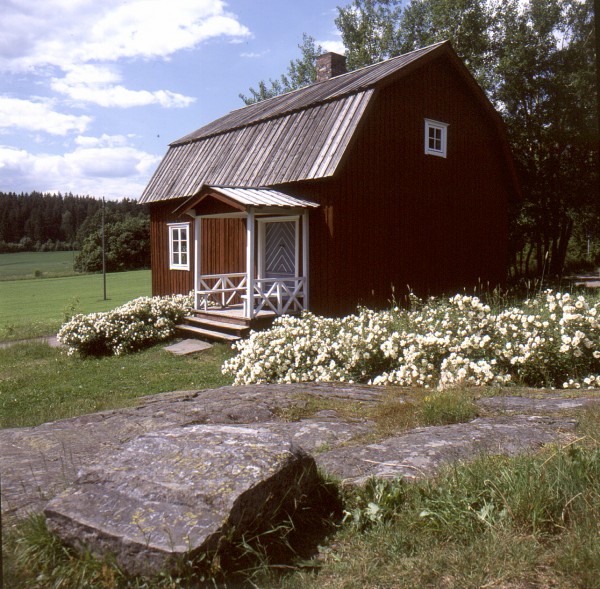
<point>36,265</point>
<point>36,307</point>
<point>39,383</point>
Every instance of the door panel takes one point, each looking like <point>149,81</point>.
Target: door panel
<point>280,249</point>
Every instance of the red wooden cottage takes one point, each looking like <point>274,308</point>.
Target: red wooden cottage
<point>394,176</point>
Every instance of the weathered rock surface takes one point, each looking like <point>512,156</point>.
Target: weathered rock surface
<point>177,492</point>
<point>545,404</point>
<point>422,451</point>
<point>39,462</point>
<point>149,484</point>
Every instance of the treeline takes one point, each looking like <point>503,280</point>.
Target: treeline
<point>47,222</point>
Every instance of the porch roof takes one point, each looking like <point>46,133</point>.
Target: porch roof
<point>245,197</point>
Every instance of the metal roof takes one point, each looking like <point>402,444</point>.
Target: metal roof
<point>261,197</point>
<point>301,135</point>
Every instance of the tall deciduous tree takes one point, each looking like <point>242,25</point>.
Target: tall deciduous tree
<point>301,72</point>
<point>545,91</point>
<point>369,30</point>
<point>535,59</point>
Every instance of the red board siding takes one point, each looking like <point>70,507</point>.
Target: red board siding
<point>223,246</point>
<point>394,218</point>
<point>165,281</point>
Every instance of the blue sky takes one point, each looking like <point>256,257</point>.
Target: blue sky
<point>93,91</point>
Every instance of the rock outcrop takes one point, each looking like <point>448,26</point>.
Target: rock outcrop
<point>177,492</point>
<point>179,472</point>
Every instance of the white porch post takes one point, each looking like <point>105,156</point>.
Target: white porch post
<point>197,269</point>
<point>305,255</point>
<point>250,263</point>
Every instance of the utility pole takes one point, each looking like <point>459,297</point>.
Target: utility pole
<point>103,252</point>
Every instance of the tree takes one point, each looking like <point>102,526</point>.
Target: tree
<point>301,72</point>
<point>369,30</point>
<point>127,245</point>
<point>466,23</point>
<point>545,66</point>
<point>536,61</point>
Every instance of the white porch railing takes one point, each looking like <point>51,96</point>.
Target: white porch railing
<point>279,295</point>
<point>220,289</point>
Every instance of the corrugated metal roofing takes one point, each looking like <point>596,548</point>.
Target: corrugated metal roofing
<point>301,135</point>
<point>262,197</point>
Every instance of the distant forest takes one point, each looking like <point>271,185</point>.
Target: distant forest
<point>46,222</point>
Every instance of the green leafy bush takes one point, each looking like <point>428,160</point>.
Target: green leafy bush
<point>133,326</point>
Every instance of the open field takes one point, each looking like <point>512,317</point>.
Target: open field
<point>36,265</point>
<point>36,307</point>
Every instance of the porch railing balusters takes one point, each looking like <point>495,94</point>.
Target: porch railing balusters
<point>280,295</point>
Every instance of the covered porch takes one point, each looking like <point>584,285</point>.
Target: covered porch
<point>272,242</point>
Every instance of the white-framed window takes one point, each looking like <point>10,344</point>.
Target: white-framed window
<point>179,246</point>
<point>436,138</point>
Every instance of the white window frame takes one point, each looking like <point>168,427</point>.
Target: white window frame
<point>435,127</point>
<point>175,253</point>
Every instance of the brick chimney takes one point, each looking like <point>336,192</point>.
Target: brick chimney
<point>330,65</point>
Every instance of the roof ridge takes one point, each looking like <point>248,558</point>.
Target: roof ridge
<point>360,69</point>
<point>293,106</point>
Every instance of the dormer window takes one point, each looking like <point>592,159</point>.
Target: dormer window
<point>436,138</point>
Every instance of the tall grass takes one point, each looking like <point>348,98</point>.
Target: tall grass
<point>523,522</point>
<point>526,521</point>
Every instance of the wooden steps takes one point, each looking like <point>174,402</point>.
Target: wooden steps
<point>213,328</point>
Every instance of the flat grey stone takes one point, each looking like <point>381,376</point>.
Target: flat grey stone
<point>535,405</point>
<point>39,462</point>
<point>179,492</point>
<point>188,346</point>
<point>421,452</point>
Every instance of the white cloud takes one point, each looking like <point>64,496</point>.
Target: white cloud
<point>64,33</point>
<point>16,113</point>
<point>335,46</point>
<point>96,85</point>
<point>103,141</point>
<point>114,172</point>
<point>254,54</point>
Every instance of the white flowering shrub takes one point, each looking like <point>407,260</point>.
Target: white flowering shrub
<point>550,340</point>
<point>130,327</point>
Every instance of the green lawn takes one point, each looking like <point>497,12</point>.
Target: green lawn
<point>35,307</point>
<point>36,264</point>
<point>39,383</point>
